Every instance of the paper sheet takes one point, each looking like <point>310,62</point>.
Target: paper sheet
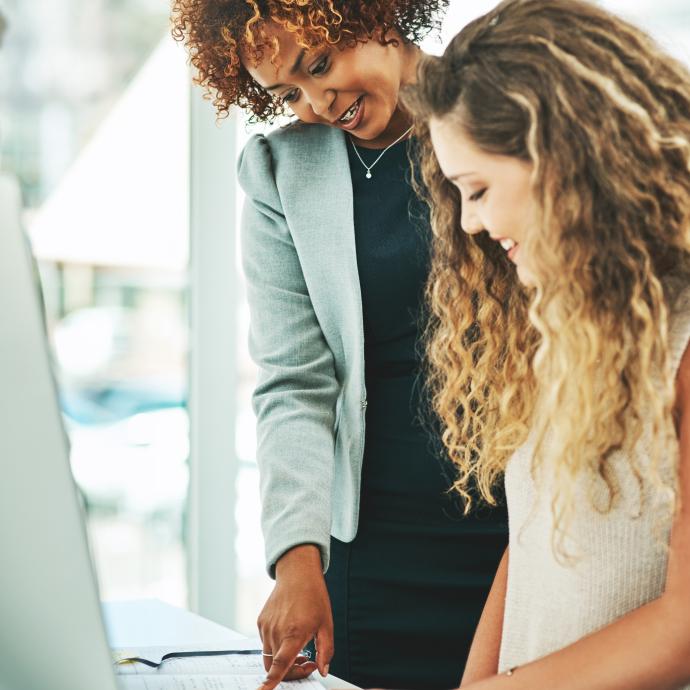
<point>226,672</point>
<point>209,682</point>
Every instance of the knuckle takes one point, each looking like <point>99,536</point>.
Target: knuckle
<point>274,676</point>
<point>291,631</point>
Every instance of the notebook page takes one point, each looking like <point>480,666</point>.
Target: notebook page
<point>209,682</point>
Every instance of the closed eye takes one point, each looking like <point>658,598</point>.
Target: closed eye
<point>478,195</point>
<point>290,96</point>
<point>321,67</point>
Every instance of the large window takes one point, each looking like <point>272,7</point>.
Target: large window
<point>667,20</point>
<point>94,124</point>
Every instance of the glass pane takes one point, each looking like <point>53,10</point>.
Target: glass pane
<point>253,584</point>
<point>94,123</point>
<point>668,20</point>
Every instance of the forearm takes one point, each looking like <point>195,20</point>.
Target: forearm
<point>482,661</point>
<point>296,459</point>
<point>647,649</point>
<point>288,525</point>
<point>296,464</point>
<point>301,560</point>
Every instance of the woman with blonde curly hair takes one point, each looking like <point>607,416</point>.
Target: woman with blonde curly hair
<point>556,156</point>
<point>335,252</point>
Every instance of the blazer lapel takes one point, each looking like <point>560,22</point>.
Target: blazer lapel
<point>313,179</point>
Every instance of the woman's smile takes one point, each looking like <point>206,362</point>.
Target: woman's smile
<point>510,246</point>
<point>354,89</point>
<point>353,116</point>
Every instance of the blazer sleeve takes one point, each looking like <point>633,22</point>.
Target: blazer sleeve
<point>295,397</point>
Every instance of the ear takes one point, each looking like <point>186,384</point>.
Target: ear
<point>392,35</point>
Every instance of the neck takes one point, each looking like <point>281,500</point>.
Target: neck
<point>401,120</point>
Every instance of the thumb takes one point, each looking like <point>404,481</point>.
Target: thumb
<point>324,648</point>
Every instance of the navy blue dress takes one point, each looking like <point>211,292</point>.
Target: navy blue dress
<point>407,593</point>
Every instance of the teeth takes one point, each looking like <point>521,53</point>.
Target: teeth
<point>507,244</point>
<point>349,115</point>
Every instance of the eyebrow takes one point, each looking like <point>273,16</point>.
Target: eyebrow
<point>293,69</point>
<point>455,178</point>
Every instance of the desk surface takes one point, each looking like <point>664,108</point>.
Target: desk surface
<point>150,622</point>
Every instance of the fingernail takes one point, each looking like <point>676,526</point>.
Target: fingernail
<point>325,670</point>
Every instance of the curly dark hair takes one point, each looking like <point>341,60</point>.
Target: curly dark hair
<point>216,31</point>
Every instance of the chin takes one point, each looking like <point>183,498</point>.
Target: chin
<point>369,132</point>
<point>377,125</point>
<point>525,277</point>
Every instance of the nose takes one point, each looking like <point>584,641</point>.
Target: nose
<point>470,221</point>
<point>320,100</point>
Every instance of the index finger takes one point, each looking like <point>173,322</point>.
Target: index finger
<point>282,662</point>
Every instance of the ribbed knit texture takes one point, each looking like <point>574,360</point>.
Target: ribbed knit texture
<point>621,556</point>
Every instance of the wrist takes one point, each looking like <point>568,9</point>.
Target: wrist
<point>302,560</point>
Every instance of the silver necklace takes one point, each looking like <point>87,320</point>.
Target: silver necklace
<point>369,167</point>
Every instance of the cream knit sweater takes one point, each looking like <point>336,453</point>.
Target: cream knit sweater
<point>621,556</point>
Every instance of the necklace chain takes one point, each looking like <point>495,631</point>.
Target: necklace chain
<point>380,156</point>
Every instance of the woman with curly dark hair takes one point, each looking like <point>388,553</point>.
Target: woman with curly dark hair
<point>335,251</point>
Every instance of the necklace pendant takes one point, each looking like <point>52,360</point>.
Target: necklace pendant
<point>369,167</point>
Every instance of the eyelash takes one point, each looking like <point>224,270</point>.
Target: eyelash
<point>478,195</point>
<point>322,67</point>
<point>286,98</point>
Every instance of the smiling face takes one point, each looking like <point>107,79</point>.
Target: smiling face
<point>355,89</point>
<point>496,190</point>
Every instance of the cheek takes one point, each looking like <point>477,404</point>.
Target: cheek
<point>305,113</point>
<point>375,75</point>
<point>390,85</point>
<point>518,214</point>
<point>498,217</point>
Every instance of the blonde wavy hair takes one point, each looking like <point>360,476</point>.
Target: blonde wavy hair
<point>581,360</point>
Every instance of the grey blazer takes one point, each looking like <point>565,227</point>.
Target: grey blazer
<point>306,335</point>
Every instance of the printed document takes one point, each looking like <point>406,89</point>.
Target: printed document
<point>223,672</point>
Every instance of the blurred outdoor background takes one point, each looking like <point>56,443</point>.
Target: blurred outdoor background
<point>95,123</point>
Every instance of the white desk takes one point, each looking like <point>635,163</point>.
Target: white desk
<point>152,623</point>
